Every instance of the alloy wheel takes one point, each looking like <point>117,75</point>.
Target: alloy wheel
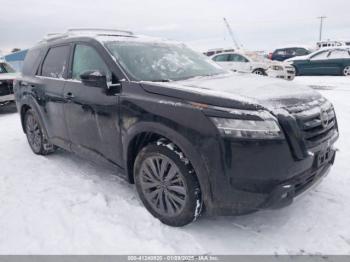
<point>34,133</point>
<point>346,71</point>
<point>163,185</point>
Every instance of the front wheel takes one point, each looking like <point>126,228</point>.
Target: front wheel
<point>35,135</point>
<point>346,71</point>
<point>259,72</point>
<point>167,184</point>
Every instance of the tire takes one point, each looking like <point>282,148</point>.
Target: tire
<point>167,184</point>
<point>346,71</point>
<point>36,137</point>
<point>259,71</point>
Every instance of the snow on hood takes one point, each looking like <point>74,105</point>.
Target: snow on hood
<point>268,92</point>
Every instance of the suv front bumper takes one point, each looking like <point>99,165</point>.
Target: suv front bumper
<point>264,175</point>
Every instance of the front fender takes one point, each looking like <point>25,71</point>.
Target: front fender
<point>182,142</point>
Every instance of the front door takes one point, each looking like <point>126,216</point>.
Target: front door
<point>91,115</point>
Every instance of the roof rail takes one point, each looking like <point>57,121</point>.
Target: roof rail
<point>88,31</point>
<point>100,31</point>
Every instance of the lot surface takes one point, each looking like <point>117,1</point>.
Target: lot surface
<point>62,204</point>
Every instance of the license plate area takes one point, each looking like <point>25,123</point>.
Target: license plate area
<point>324,157</point>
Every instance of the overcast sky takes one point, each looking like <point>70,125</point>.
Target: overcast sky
<point>258,24</point>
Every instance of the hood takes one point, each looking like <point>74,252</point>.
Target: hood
<point>237,91</point>
<point>8,76</point>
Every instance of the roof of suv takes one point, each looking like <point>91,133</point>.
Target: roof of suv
<point>101,35</point>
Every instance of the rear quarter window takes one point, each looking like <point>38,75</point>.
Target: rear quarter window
<point>55,64</point>
<point>32,61</point>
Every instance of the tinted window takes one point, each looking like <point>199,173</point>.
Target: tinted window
<point>320,55</point>
<point>55,63</point>
<point>31,62</point>
<point>280,52</point>
<point>86,59</point>
<point>157,61</point>
<point>301,51</point>
<point>340,54</point>
<point>238,58</point>
<point>222,58</point>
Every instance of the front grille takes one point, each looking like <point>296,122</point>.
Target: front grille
<point>316,120</point>
<point>6,87</point>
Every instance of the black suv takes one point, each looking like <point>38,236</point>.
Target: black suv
<point>191,136</point>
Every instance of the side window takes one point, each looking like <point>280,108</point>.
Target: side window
<point>339,54</point>
<point>238,58</point>
<point>32,62</point>
<point>85,59</point>
<point>291,52</point>
<point>221,58</point>
<point>320,56</point>
<point>280,52</point>
<point>56,61</point>
<point>301,51</point>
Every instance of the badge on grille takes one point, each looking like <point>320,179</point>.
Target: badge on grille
<point>324,118</point>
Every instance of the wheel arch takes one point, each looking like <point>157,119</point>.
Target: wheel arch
<point>144,133</point>
<point>28,103</point>
<point>259,69</point>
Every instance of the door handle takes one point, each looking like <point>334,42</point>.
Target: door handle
<point>69,95</point>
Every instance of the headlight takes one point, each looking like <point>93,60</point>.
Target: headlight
<point>255,129</point>
<point>276,67</point>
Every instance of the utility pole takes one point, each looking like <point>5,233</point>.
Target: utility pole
<point>321,25</point>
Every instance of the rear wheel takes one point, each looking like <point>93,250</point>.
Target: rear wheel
<point>167,184</point>
<point>35,135</point>
<point>346,71</point>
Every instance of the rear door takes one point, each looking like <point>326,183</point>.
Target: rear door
<point>49,90</point>
<point>240,63</point>
<point>318,64</point>
<point>339,58</point>
<point>91,115</point>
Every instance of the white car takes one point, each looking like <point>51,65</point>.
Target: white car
<point>7,76</point>
<point>252,62</point>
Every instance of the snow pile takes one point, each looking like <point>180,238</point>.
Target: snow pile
<point>62,204</point>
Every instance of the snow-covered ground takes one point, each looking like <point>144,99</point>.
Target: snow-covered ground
<point>62,204</point>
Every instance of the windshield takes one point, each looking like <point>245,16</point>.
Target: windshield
<point>5,68</point>
<point>161,61</point>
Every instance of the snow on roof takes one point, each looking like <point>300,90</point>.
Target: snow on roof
<point>90,32</point>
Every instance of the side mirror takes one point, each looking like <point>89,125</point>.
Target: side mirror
<point>94,79</point>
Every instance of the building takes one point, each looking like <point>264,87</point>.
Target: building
<point>16,59</point>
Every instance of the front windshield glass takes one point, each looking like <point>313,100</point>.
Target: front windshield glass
<point>5,68</point>
<point>161,61</point>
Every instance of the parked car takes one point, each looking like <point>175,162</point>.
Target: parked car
<point>7,76</point>
<point>189,134</point>
<point>252,62</point>
<point>214,51</point>
<point>282,54</point>
<point>328,61</point>
<point>330,43</point>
